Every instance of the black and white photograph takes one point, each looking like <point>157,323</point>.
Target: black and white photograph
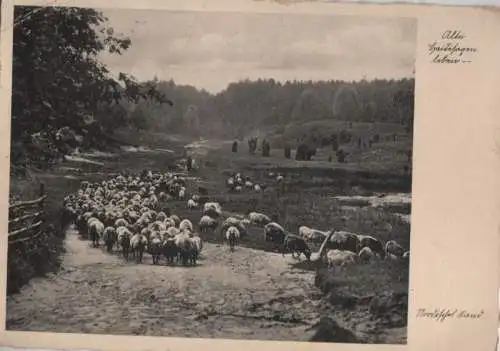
<point>205,174</point>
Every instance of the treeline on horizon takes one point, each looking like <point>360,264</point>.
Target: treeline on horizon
<point>64,97</point>
<point>259,104</point>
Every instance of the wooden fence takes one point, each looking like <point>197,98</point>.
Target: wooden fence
<point>26,218</point>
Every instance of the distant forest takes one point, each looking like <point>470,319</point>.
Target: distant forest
<point>258,105</point>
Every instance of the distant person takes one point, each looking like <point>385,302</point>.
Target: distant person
<point>235,146</point>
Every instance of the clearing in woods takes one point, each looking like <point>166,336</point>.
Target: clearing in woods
<point>228,295</point>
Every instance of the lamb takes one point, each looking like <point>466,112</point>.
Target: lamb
<point>365,254</point>
<point>186,225</point>
<point>392,247</point>
<point>232,237</point>
<point>258,218</point>
<point>207,223</point>
<point>191,204</point>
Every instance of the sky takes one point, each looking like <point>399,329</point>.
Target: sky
<point>210,50</point>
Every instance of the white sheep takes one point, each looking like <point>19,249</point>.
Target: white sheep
<point>258,218</point>
<point>340,258</point>
<point>212,209</point>
<point>257,187</point>
<point>311,234</point>
<point>232,237</point>
<point>207,222</point>
<point>96,230</point>
<point>186,225</point>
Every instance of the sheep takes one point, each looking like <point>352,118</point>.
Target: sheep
<point>170,249</point>
<point>183,243</point>
<point>124,240</point>
<point>257,188</point>
<point>372,243</point>
<point>109,238</point>
<point>195,248</point>
<point>161,216</point>
<point>344,241</point>
<point>191,204</point>
<point>206,223</point>
<point>232,237</point>
<point>275,233</point>
<point>96,229</point>
<point>392,247</point>
<point>186,225</point>
<point>172,231</point>
<point>311,234</point>
<point>156,248</point>
<point>176,220</point>
<point>365,254</point>
<point>212,209</point>
<point>258,218</point>
<point>340,258</point>
<point>121,222</point>
<point>406,255</point>
<point>233,221</point>
<point>248,184</point>
<point>238,188</point>
<point>138,245</point>
<point>296,245</point>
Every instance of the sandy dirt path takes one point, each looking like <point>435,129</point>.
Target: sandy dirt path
<point>243,294</point>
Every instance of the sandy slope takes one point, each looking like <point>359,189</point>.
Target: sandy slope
<point>99,293</point>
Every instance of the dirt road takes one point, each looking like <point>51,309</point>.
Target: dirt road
<point>243,294</point>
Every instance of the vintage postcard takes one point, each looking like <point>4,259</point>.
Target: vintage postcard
<point>246,173</point>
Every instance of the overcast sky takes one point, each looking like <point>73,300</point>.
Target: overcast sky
<point>209,50</point>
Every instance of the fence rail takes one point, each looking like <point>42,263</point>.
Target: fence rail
<point>26,218</point>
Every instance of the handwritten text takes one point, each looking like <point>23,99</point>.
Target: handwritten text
<point>450,49</point>
<point>442,314</point>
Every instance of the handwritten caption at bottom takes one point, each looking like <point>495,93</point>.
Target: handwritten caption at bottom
<point>443,314</point>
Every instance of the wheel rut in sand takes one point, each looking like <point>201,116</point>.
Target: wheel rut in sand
<point>246,294</point>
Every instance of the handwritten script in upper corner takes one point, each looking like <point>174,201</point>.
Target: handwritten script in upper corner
<point>451,48</point>
<point>442,314</point>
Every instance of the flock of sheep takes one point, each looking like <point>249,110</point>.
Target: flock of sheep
<point>130,214</point>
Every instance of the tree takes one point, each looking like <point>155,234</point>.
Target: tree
<point>58,80</point>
